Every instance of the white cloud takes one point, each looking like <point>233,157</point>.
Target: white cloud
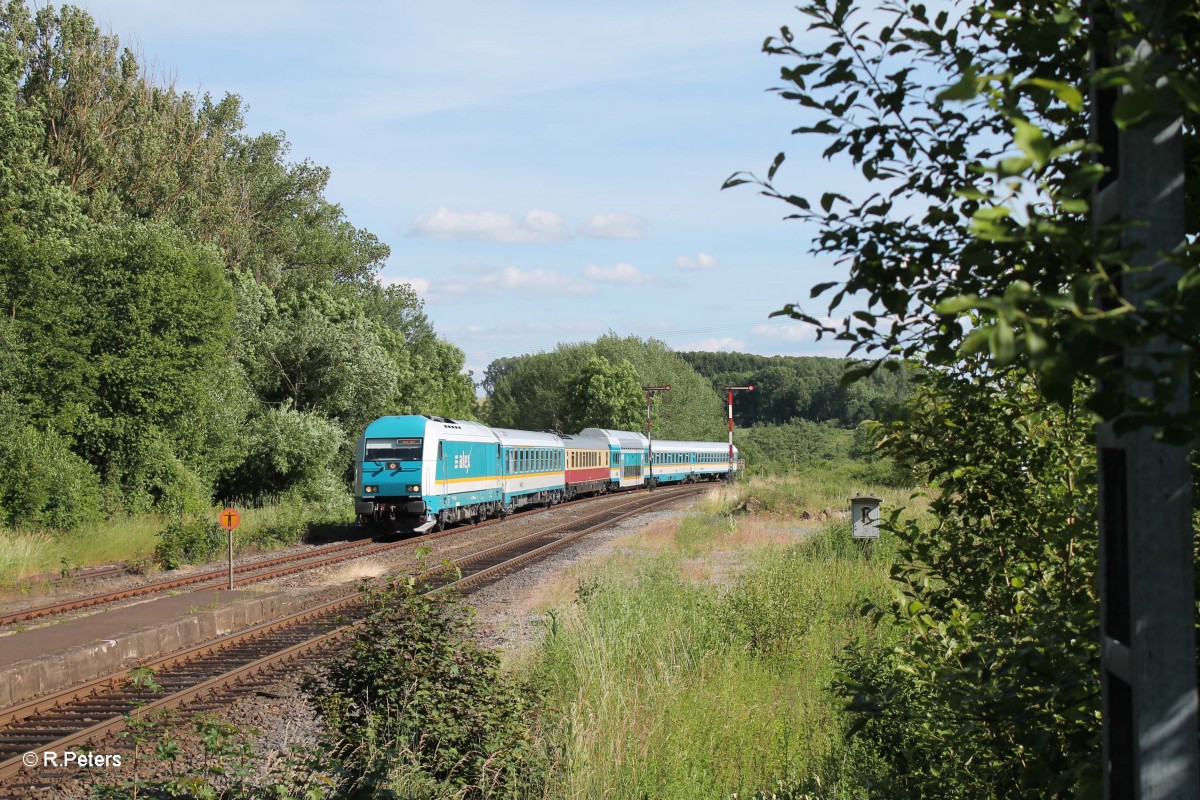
<point>714,345</point>
<point>483,281</point>
<point>615,226</point>
<point>419,285</point>
<point>701,262</point>
<point>537,227</point>
<point>623,274</point>
<point>790,331</point>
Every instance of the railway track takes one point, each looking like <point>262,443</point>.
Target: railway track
<point>244,574</point>
<point>69,719</point>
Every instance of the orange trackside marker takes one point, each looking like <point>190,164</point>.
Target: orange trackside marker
<point>229,518</point>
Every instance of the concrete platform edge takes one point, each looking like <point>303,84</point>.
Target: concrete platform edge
<point>31,678</point>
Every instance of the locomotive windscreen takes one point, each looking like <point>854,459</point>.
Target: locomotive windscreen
<point>408,449</point>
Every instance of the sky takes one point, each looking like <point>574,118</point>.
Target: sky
<point>543,172</point>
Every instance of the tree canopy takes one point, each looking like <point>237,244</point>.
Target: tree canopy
<point>801,387</point>
<point>185,311</point>
<point>602,381</point>
<point>969,241</point>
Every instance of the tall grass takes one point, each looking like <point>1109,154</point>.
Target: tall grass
<point>662,687</point>
<point>131,540</point>
<point>813,492</point>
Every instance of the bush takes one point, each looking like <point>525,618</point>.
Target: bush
<point>285,527</point>
<point>417,709</point>
<point>288,451</point>
<point>42,482</point>
<point>191,541</point>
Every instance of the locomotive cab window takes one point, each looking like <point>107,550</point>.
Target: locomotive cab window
<point>408,449</point>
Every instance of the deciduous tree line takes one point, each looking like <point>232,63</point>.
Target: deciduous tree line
<point>801,387</point>
<point>186,314</point>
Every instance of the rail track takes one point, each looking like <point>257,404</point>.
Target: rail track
<point>69,719</point>
<point>244,574</point>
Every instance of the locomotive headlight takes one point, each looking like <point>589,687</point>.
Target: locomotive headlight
<point>370,489</point>
<point>416,487</point>
<point>393,465</point>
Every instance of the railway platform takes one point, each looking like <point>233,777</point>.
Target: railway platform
<point>50,657</point>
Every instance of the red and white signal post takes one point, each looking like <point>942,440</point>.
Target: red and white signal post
<point>731,390</point>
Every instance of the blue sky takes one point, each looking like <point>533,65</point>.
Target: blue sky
<point>543,172</point>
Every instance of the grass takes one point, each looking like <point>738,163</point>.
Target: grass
<point>25,554</point>
<point>696,661</point>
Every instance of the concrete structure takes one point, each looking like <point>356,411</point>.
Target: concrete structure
<point>864,516</point>
<point>55,656</point>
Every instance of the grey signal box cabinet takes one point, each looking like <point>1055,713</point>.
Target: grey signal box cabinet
<point>864,516</point>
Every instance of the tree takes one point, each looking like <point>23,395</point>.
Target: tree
<point>173,284</point>
<point>604,395</point>
<point>533,392</point>
<point>972,132</point>
<point>990,690</point>
<point>971,244</point>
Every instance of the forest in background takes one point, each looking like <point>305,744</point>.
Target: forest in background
<point>801,413</point>
<point>802,387</point>
<point>186,314</point>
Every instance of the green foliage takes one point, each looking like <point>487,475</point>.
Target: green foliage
<point>169,281</point>
<point>603,395</point>
<point>289,450</point>
<point>972,234</point>
<point>190,541</point>
<point>42,482</point>
<point>806,387</point>
<point>416,708</point>
<point>991,691</point>
<point>535,392</point>
<point>973,247</point>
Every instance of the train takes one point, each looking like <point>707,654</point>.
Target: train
<point>421,471</point>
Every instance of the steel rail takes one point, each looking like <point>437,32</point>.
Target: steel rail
<point>254,572</point>
<point>526,548</point>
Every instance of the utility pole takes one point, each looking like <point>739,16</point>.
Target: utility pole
<point>730,390</point>
<point>1147,597</point>
<point>650,392</point>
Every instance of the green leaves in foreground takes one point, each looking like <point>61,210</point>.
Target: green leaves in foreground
<point>991,691</point>
<point>415,707</point>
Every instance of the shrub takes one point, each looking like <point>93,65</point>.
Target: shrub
<point>190,541</point>
<point>288,451</point>
<point>417,708</point>
<point>42,482</point>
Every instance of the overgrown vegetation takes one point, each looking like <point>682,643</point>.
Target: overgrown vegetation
<point>991,690</point>
<point>414,707</point>
<point>664,686</point>
<point>970,242</point>
<point>187,316</point>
